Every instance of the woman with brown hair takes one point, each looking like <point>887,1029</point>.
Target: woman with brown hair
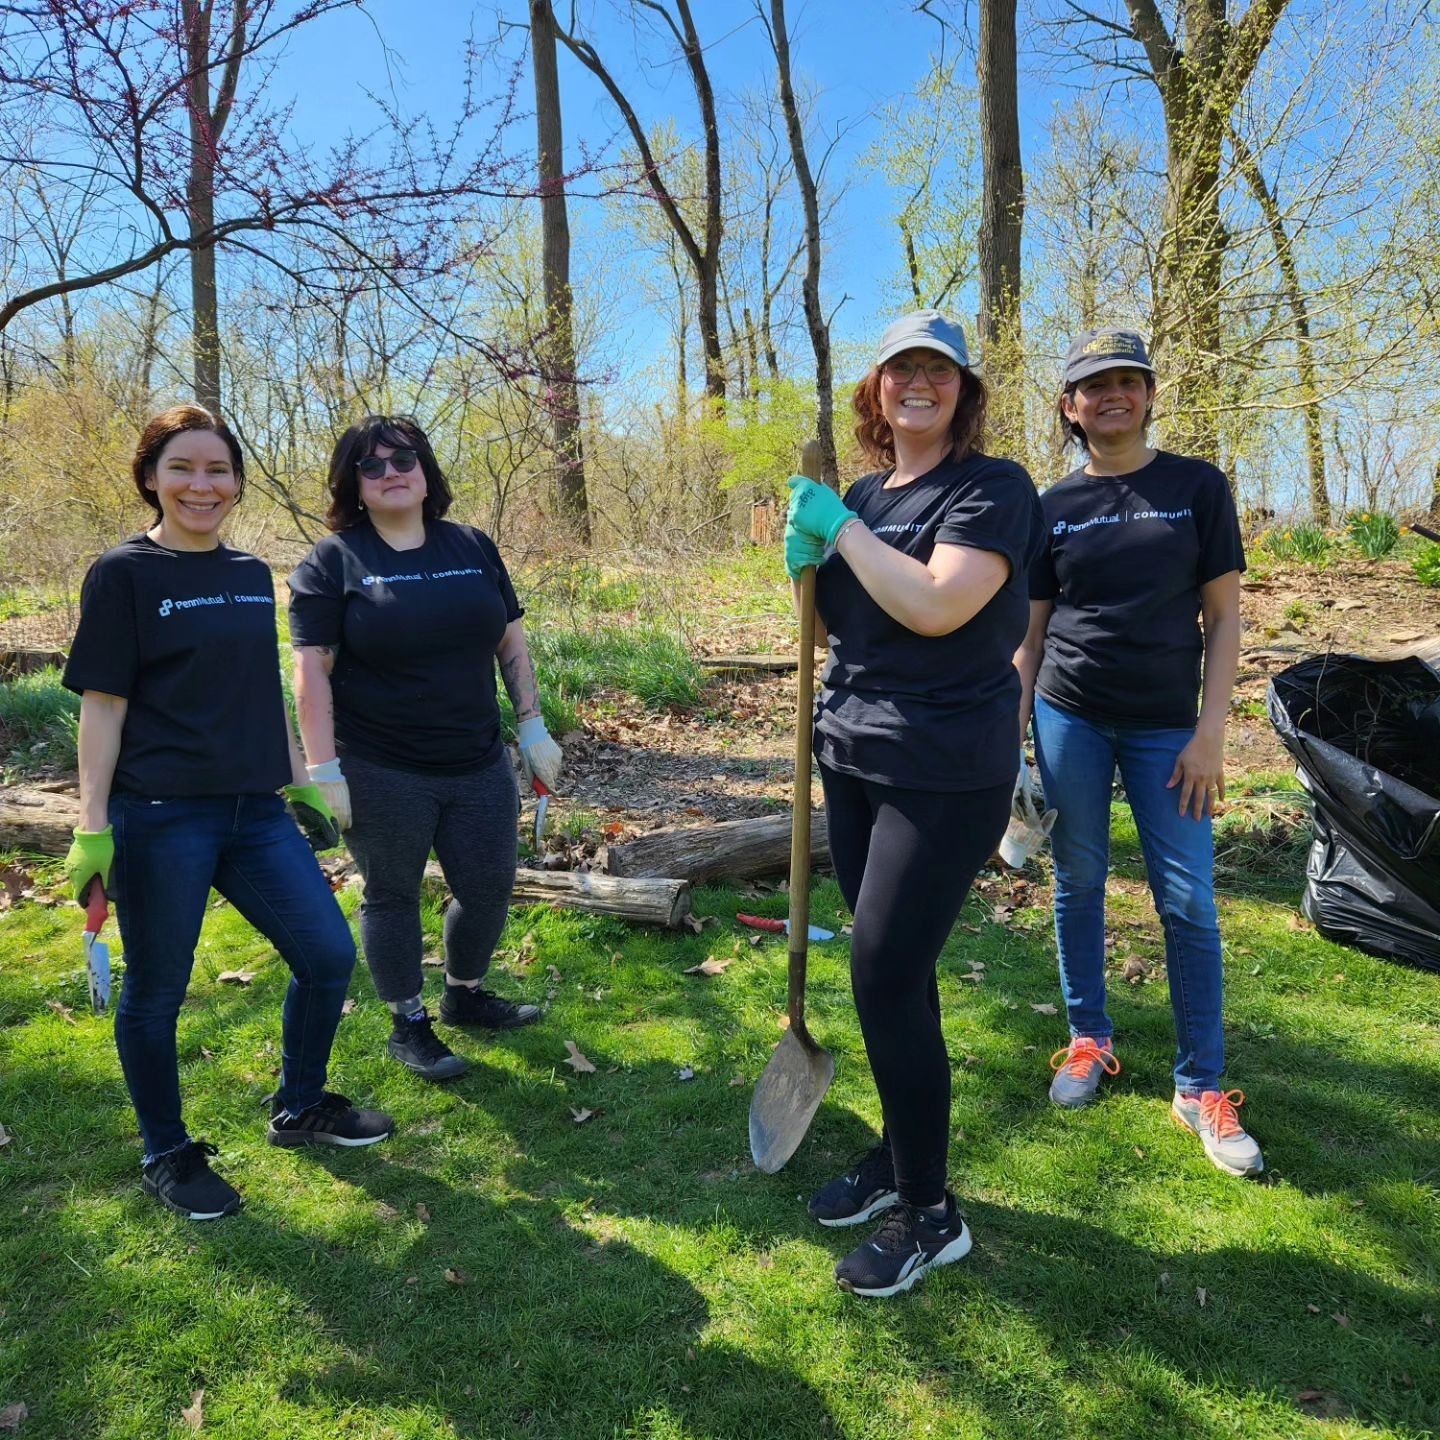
<point>398,619</point>
<point>921,590</point>
<point>184,740</point>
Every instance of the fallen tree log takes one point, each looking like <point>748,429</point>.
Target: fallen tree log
<point>29,659</point>
<point>642,902</point>
<point>742,848</point>
<point>41,821</point>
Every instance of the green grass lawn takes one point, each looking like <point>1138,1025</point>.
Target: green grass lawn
<point>633,1275</point>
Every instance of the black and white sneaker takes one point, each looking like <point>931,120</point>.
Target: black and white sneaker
<point>334,1121</point>
<point>460,1005</point>
<point>183,1181</point>
<point>863,1193</point>
<point>908,1243</point>
<point>414,1043</point>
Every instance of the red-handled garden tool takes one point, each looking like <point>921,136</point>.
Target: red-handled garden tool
<point>781,927</point>
<point>542,806</point>
<point>97,952</point>
<point>795,1080</point>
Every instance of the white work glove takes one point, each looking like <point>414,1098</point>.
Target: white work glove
<point>328,779</point>
<point>539,754</point>
<point>1029,826</point>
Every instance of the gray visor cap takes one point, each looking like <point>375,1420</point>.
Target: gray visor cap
<point>924,330</point>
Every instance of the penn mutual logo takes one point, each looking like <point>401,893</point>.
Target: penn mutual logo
<point>166,606</point>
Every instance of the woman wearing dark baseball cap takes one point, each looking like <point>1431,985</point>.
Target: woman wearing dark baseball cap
<point>1138,584</point>
<point>922,591</point>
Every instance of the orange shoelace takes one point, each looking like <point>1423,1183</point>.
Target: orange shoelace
<point>1083,1051</point>
<point>1217,1110</point>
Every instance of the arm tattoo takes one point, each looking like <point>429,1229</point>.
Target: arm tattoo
<point>518,672</point>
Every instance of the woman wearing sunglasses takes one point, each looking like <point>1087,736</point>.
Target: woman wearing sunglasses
<point>921,589</point>
<point>398,619</point>
<point>184,740</point>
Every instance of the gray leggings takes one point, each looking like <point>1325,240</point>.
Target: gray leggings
<point>469,821</point>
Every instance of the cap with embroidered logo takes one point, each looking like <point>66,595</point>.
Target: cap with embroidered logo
<point>924,330</point>
<point>1097,350</point>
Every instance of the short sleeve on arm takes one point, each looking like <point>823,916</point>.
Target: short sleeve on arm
<point>1221,547</point>
<point>1044,582</point>
<point>317,601</point>
<point>105,654</point>
<point>514,610</point>
<point>998,512</point>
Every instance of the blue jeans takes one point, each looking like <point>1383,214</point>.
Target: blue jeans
<point>168,856</point>
<point>1077,758</point>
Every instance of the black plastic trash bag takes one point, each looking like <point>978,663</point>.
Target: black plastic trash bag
<point>1365,735</point>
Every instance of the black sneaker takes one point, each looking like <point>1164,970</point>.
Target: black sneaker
<point>334,1121</point>
<point>461,1005</point>
<point>415,1045</point>
<point>864,1192</point>
<point>183,1181</point>
<point>908,1243</point>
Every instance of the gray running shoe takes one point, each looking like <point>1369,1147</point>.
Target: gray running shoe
<point>1212,1117</point>
<point>1079,1069</point>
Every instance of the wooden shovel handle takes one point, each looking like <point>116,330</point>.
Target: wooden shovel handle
<point>800,824</point>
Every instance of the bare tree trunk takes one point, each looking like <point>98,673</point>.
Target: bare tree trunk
<point>814,316</point>
<point>558,351</point>
<point>1002,212</point>
<point>704,258</point>
<point>1304,348</point>
<point>1201,77</point>
<point>206,127</point>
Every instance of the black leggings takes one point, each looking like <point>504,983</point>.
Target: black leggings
<point>905,860</point>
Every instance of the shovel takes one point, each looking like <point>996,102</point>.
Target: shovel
<point>795,1080</point>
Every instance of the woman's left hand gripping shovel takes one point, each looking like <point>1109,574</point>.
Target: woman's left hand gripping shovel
<point>97,952</point>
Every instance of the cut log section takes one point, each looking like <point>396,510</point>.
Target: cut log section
<point>742,848</point>
<point>642,902</point>
<point>38,820</point>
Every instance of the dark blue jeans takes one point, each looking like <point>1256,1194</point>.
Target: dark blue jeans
<point>1077,757</point>
<point>168,856</point>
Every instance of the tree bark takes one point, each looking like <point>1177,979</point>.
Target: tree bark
<point>558,346</point>
<point>814,316</point>
<point>206,127</point>
<point>1200,84</point>
<point>1002,215</point>
<point>743,848</point>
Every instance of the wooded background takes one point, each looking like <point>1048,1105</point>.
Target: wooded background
<point>1252,184</point>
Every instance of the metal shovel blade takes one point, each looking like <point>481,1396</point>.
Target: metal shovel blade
<point>786,1097</point>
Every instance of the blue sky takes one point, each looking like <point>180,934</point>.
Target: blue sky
<point>860,55</point>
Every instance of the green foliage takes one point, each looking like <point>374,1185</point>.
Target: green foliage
<point>39,720</point>
<point>1306,542</point>
<point>1297,612</point>
<point>761,436</point>
<point>1373,534</point>
<point>648,664</point>
<point>1426,565</point>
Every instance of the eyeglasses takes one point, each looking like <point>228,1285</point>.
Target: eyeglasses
<point>372,467</point>
<point>937,371</point>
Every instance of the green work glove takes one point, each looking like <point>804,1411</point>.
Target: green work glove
<point>90,856</point>
<point>815,517</point>
<point>314,817</point>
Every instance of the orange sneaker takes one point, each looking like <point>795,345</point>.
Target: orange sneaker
<point>1079,1069</point>
<point>1211,1115</point>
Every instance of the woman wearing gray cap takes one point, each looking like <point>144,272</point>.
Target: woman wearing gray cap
<point>921,590</point>
<point>1138,582</point>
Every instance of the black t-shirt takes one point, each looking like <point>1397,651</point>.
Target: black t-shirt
<point>417,631</point>
<point>188,638</point>
<point>1124,559</point>
<point>929,712</point>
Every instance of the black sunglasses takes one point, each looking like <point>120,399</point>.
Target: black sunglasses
<point>372,467</point>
